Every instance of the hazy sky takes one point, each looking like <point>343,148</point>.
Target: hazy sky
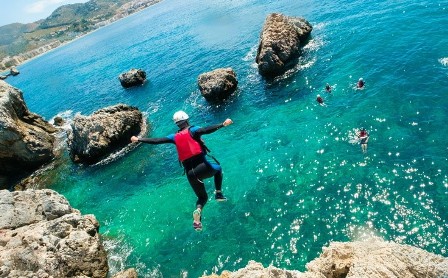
<point>27,11</point>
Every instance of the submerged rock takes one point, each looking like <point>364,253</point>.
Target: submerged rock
<point>26,140</point>
<point>128,273</point>
<point>41,235</point>
<point>133,77</point>
<point>280,42</point>
<point>218,84</point>
<point>58,121</point>
<point>105,131</point>
<point>374,259</point>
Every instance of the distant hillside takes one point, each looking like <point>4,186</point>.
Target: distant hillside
<point>20,42</point>
<point>93,11</point>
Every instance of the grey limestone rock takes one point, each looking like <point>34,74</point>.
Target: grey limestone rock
<point>41,235</point>
<point>26,140</point>
<point>218,84</point>
<point>280,42</point>
<point>373,258</point>
<point>133,77</point>
<point>105,131</point>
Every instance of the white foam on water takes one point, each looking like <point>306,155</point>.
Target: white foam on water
<point>121,152</point>
<point>444,61</point>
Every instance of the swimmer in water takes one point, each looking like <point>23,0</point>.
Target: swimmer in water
<point>320,100</point>
<point>363,137</point>
<point>360,84</point>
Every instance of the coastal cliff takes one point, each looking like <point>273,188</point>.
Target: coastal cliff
<point>41,235</point>
<point>374,258</point>
<point>26,139</point>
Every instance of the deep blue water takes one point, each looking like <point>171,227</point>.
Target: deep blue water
<point>295,177</point>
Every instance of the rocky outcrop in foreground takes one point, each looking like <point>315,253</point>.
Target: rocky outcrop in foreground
<point>41,235</point>
<point>217,85</point>
<point>280,42</point>
<point>26,140</point>
<point>133,77</point>
<point>94,137</point>
<point>373,259</point>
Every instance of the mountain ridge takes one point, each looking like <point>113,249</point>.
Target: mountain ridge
<point>20,42</point>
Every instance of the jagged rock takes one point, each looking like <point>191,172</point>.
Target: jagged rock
<point>41,235</point>
<point>13,71</point>
<point>58,121</point>
<point>133,77</point>
<point>218,84</point>
<point>374,259</point>
<point>26,140</point>
<point>280,42</point>
<point>128,273</point>
<point>105,131</point>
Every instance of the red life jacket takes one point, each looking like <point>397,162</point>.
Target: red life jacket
<point>186,146</point>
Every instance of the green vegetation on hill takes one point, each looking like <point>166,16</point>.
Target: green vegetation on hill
<point>64,24</point>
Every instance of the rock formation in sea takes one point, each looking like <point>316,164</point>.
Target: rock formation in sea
<point>133,77</point>
<point>280,42</point>
<point>373,258</point>
<point>26,139</point>
<point>218,84</point>
<point>94,137</point>
<point>13,71</point>
<point>41,235</point>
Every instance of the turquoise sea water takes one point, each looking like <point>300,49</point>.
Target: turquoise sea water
<point>295,177</point>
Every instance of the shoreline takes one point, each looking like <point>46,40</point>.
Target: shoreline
<point>19,57</point>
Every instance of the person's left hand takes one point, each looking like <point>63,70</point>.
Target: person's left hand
<point>134,139</point>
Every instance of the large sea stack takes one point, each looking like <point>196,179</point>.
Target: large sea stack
<point>373,258</point>
<point>280,42</point>
<point>41,235</point>
<point>218,84</point>
<point>94,137</point>
<point>26,140</point>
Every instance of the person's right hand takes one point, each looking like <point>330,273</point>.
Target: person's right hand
<point>227,122</point>
<point>134,139</point>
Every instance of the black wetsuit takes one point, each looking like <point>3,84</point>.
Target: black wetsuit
<point>197,167</point>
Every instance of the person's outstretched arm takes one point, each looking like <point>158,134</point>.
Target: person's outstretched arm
<point>212,128</point>
<point>154,141</point>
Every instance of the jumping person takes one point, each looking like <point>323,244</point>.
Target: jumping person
<point>192,154</point>
<point>363,137</point>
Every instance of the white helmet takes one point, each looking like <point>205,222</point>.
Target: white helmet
<point>180,116</point>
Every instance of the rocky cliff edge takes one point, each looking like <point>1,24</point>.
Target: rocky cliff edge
<point>374,258</point>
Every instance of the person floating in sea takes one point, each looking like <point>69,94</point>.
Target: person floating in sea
<point>363,137</point>
<point>360,84</point>
<point>320,100</point>
<point>328,88</point>
<point>192,153</point>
